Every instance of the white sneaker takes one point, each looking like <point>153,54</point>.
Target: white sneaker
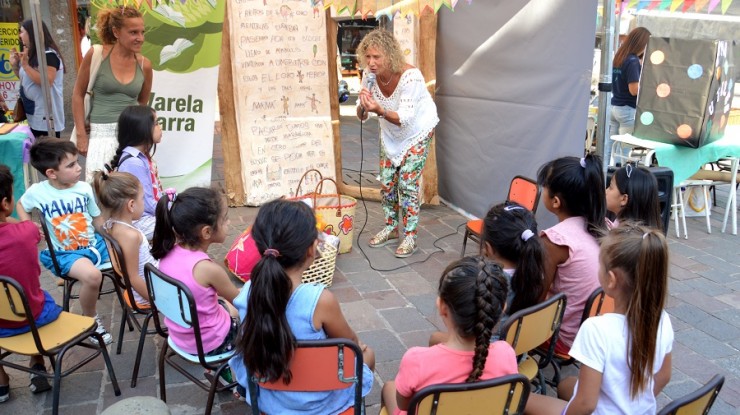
<point>107,338</point>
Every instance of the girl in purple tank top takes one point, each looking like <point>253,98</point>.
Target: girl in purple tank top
<point>187,224</point>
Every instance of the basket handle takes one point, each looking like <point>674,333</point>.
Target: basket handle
<point>320,187</point>
<point>300,182</point>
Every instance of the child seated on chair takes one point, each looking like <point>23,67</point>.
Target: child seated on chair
<point>72,216</point>
<point>187,224</point>
<point>471,297</point>
<point>18,261</point>
<point>278,309</point>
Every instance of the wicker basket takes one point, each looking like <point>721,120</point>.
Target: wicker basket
<point>322,269</point>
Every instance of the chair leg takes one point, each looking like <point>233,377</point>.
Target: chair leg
<point>683,215</point>
<point>121,330</point>
<point>212,390</point>
<point>677,205</point>
<point>707,207</point>
<point>162,353</point>
<point>108,364</point>
<point>67,295</point>
<point>465,242</point>
<point>57,384</point>
<point>139,350</point>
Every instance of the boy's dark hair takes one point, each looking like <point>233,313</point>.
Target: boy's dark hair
<point>267,342</point>
<point>6,183</point>
<point>48,153</point>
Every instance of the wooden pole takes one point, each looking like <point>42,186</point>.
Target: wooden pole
<point>229,134</point>
<point>344,188</point>
<point>427,42</point>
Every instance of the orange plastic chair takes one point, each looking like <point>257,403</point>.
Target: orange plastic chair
<point>319,365</point>
<point>698,402</point>
<point>522,190</point>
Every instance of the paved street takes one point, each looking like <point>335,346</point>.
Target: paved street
<point>390,303</point>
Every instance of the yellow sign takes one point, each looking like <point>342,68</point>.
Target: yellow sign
<point>9,83</point>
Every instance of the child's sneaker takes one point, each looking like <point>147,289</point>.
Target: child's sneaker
<point>4,393</point>
<point>224,379</point>
<point>107,338</point>
<point>39,383</point>
<point>240,393</point>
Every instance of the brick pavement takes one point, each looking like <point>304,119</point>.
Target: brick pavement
<point>393,310</point>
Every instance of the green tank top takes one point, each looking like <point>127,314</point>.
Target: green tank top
<point>110,97</point>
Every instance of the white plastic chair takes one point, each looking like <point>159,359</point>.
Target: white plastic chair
<point>678,204</point>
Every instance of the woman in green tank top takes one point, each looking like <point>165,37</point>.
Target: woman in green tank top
<point>124,78</point>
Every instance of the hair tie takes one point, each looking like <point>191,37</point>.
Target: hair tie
<point>172,195</point>
<point>104,175</point>
<point>108,167</point>
<point>527,234</point>
<point>271,252</point>
<point>583,162</point>
<point>644,235</point>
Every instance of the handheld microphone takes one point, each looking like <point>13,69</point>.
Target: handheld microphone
<point>370,82</point>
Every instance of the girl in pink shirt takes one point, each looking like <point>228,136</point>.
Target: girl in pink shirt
<point>472,293</point>
<point>572,189</point>
<point>187,224</point>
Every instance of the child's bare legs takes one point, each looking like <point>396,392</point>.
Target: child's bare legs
<point>566,388</point>
<point>541,404</point>
<point>5,379</point>
<point>388,397</point>
<point>90,278</point>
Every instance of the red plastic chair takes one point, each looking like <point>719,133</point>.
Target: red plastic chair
<point>522,190</point>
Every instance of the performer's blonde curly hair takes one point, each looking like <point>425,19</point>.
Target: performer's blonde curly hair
<point>384,41</point>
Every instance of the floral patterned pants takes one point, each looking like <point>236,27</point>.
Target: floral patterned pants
<point>400,186</point>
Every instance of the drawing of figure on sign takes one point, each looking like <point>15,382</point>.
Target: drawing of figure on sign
<point>300,77</point>
<point>285,105</point>
<point>314,101</point>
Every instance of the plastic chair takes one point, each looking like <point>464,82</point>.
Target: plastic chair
<point>53,340</point>
<point>319,365</point>
<point>522,190</point>
<point>174,300</point>
<point>529,328</point>
<point>503,395</point>
<point>131,308</point>
<point>698,402</point>
<point>597,304</point>
<point>105,268</point>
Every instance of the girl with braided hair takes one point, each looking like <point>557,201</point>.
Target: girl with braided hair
<point>471,298</point>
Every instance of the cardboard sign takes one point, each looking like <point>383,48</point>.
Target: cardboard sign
<point>685,91</point>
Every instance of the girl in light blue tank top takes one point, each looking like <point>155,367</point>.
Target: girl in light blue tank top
<point>277,309</point>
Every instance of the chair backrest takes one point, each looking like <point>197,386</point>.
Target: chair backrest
<point>698,402</point>
<point>597,304</point>
<point>49,245</point>
<point>172,299</point>
<point>323,365</point>
<point>526,329</point>
<point>503,395</point>
<point>118,261</point>
<point>525,192</point>
<point>14,306</point>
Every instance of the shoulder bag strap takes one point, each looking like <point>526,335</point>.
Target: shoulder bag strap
<point>97,59</point>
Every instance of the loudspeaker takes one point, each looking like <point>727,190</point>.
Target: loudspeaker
<point>664,176</point>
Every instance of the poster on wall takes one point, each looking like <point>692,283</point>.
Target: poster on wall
<point>9,82</point>
<point>183,42</point>
<point>281,95</point>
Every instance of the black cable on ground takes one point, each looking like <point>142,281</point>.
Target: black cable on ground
<point>364,224</point>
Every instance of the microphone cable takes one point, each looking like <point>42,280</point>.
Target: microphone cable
<point>438,249</point>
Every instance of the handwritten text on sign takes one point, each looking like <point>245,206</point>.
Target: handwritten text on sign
<point>281,92</point>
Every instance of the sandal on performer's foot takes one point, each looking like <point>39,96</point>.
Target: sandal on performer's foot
<point>407,247</point>
<point>384,237</point>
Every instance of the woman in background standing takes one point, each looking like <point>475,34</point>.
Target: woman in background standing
<point>124,79</point>
<point>626,68</point>
<point>25,65</point>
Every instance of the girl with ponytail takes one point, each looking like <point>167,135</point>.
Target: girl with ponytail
<point>278,309</point>
<point>471,298</point>
<point>573,190</point>
<point>625,355</point>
